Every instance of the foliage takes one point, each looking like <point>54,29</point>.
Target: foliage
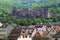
<point>7,6</point>
<point>29,21</point>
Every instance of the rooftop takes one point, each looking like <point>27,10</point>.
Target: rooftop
<point>3,25</point>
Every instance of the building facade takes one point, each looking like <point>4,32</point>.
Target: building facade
<point>5,30</point>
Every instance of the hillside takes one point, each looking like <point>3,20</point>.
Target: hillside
<point>28,12</point>
<point>7,6</point>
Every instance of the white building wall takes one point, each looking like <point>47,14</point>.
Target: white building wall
<point>42,29</point>
<point>33,33</point>
<point>2,32</point>
<point>25,38</point>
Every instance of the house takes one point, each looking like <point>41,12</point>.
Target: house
<point>43,28</point>
<point>19,33</point>
<point>57,27</point>
<point>5,29</point>
<point>56,36</point>
<point>40,29</point>
<point>31,29</point>
<point>27,31</point>
<point>49,28</point>
<point>24,31</point>
<point>54,33</point>
<point>15,33</point>
<point>25,34</point>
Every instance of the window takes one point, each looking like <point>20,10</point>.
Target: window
<point>23,36</point>
<point>53,30</point>
<point>23,31</point>
<point>56,39</point>
<point>26,36</point>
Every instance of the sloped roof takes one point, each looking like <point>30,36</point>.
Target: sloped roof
<point>31,26</point>
<point>3,25</point>
<point>56,23</point>
<point>15,34</point>
<point>47,24</point>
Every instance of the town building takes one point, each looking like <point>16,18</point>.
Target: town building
<point>5,29</point>
<point>28,33</point>
<point>56,36</point>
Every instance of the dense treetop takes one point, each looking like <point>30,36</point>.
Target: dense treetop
<point>6,7</point>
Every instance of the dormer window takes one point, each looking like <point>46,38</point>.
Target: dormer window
<point>23,31</point>
<point>30,31</point>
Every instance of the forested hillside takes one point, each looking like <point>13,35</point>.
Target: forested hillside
<point>8,5</point>
<point>13,11</point>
